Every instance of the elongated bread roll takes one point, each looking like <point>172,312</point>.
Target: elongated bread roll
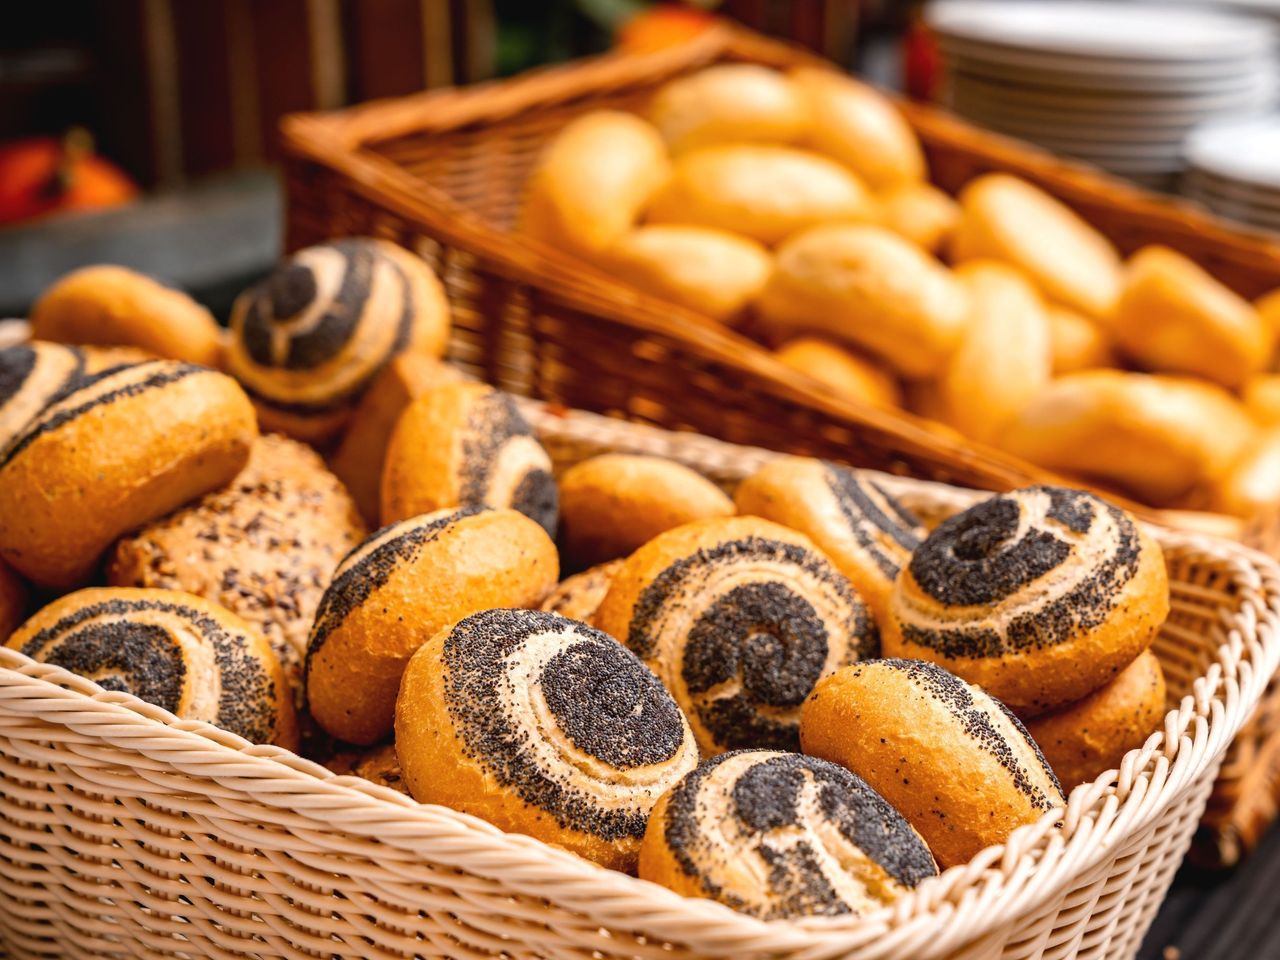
<point>920,212</point>
<point>1078,342</point>
<point>847,373</point>
<point>1252,484</point>
<point>729,103</point>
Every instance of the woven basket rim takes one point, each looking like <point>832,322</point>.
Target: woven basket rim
<point>963,904</point>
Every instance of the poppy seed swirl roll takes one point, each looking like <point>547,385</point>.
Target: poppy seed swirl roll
<point>175,650</point>
<point>740,617</point>
<point>1039,596</point>
<point>541,725</point>
<point>308,340</point>
<point>780,835</point>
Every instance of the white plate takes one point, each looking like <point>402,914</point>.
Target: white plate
<point>1246,150</point>
<point>1099,81</point>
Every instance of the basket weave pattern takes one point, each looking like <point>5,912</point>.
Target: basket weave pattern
<point>124,832</point>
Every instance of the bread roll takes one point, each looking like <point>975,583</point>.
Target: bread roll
<point>1269,308</point>
<point>613,504</point>
<point>860,127</point>
<point>729,103</point>
<point>954,761</point>
<point>760,191</point>
<point>579,597</point>
<point>847,373</point>
<point>869,286</point>
<point>116,306</point>
<point>31,376</point>
<point>710,271</point>
<point>1262,399</point>
<point>1006,358</point>
<point>1155,436</point>
<point>1004,218</point>
<point>1078,342</point>
<point>13,601</point>
<point>592,181</point>
<point>1252,484</point>
<point>920,212</point>
<point>1174,317</point>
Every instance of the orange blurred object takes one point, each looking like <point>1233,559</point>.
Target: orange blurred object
<point>40,176</point>
<point>662,25</point>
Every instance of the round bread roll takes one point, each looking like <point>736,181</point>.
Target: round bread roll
<point>308,340</point>
<point>865,532</point>
<point>920,212</point>
<point>1261,399</point>
<point>860,127</point>
<point>172,649</point>
<point>579,597</point>
<point>711,271</point>
<point>1174,317</point>
<point>592,181</point>
<point>112,453</point>
<point>760,191</point>
<point>263,546</point>
<point>908,728</point>
<point>1085,739</point>
<point>543,726</point>
<point>1039,596</point>
<point>613,504</point>
<point>115,306</point>
<point>739,617</point>
<point>847,373</point>
<point>13,601</point>
<point>1078,343</point>
<point>729,103</point>
<point>869,286</point>
<point>464,444</point>
<point>378,765</point>
<point>1004,218</point>
<point>1156,436</point>
<point>360,456</point>
<point>780,835</point>
<point>13,332</point>
<point>1252,484</point>
<point>1005,359</point>
<point>102,359</point>
<point>403,584</point>
<point>31,376</point>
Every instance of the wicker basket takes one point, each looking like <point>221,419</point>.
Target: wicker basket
<point>124,832</point>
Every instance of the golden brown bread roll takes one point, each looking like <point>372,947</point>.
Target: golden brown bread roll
<point>112,453</point>
<point>1039,596</point>
<point>920,212</point>
<point>177,651</point>
<point>1153,435</point>
<point>869,286</point>
<point>860,127</point>
<point>359,458</point>
<point>1005,359</point>
<point>579,597</point>
<point>779,835</point>
<point>729,103</point>
<point>1252,483</point>
<point>1261,399</point>
<point>463,444</point>
<point>865,532</point>
<point>954,761</point>
<point>1268,308</point>
<point>407,581</point>
<point>264,546</point>
<point>847,373</point>
<point>115,306</point>
<point>1005,218</point>
<point>1085,739</point>
<point>613,504</point>
<point>592,181</point>
<point>760,191</point>
<point>1078,342</point>
<point>711,271</point>
<point>31,376</point>
<point>739,617</point>
<point>13,600</point>
<point>543,726</point>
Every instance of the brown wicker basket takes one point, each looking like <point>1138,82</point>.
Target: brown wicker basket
<point>443,173</point>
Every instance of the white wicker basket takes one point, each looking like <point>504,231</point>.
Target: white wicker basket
<point>124,832</point>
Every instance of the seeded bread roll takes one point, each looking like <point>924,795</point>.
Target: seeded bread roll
<point>264,547</point>
<point>954,761</point>
<point>613,504</point>
<point>13,601</point>
<point>465,444</point>
<point>780,835</point>
<point>177,651</point>
<point>1039,596</point>
<point>868,535</point>
<point>112,453</point>
<point>1085,739</point>
<point>114,306</point>
<point>579,597</point>
<point>392,593</point>
<point>920,212</point>
<point>847,373</point>
<point>1078,342</point>
<point>307,341</point>
<point>729,103</point>
<point>543,726</point>
<point>739,617</point>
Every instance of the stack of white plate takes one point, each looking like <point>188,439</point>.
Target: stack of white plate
<point>1234,170</point>
<point>1119,85</point>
